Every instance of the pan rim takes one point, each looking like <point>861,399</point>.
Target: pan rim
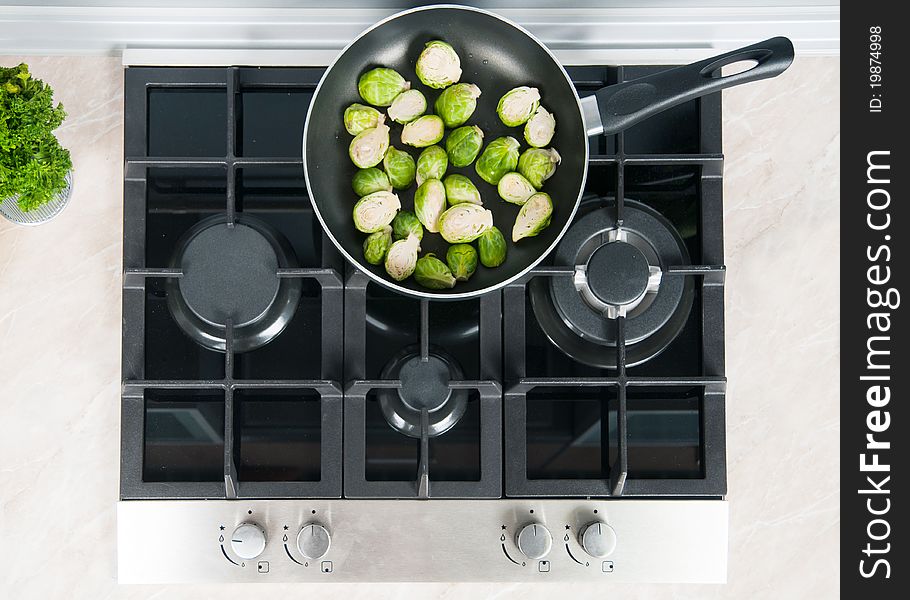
<point>428,294</point>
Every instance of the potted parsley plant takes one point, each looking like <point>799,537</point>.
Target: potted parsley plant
<point>34,168</point>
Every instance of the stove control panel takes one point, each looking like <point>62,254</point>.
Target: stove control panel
<point>163,541</point>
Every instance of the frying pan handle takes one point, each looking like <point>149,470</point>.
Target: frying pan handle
<point>626,104</point>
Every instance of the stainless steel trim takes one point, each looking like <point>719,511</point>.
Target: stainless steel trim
<point>590,113</point>
<point>386,282</point>
<point>161,541</point>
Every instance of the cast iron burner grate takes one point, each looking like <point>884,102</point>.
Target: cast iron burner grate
<point>299,379</point>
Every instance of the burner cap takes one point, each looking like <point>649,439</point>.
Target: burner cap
<point>231,273</point>
<point>616,259</point>
<point>424,385</point>
<point>617,273</point>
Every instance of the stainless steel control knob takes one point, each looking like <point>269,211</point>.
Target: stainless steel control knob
<point>598,539</point>
<point>534,541</point>
<point>248,541</point>
<point>313,541</point>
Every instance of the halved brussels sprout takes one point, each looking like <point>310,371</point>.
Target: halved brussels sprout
<point>462,261</point>
<point>367,181</point>
<point>400,167</point>
<point>464,223</point>
<point>432,273</point>
<point>376,245</point>
<point>456,104</point>
<point>369,146</point>
<point>533,216</point>
<point>538,164</point>
<point>406,223</point>
<point>517,105</point>
<point>373,212</point>
<point>492,248</point>
<point>464,144</point>
<point>498,158</point>
<point>438,66</point>
<point>540,128</point>
<point>461,189</point>
<point>401,259</point>
<point>407,106</point>
<point>380,86</point>
<point>514,188</point>
<point>429,203</point>
<point>432,164</point>
<point>423,131</point>
<point>359,117</point>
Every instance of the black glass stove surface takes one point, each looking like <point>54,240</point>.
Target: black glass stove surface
<point>299,378</point>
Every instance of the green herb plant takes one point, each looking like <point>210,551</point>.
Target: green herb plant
<point>33,165</point>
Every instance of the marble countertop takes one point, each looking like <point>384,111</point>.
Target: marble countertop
<point>60,359</point>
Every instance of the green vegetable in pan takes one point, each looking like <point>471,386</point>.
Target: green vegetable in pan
<point>359,117</point>
<point>538,164</point>
<point>464,144</point>
<point>492,248</point>
<point>431,164</point>
<point>423,131</point>
<point>430,272</point>
<point>461,189</point>
<point>498,158</point>
<point>517,105</point>
<point>464,223</point>
<point>429,203</point>
<point>400,168</point>
<point>438,66</point>
<point>533,217</point>
<point>457,103</point>
<point>373,212</point>
<point>462,261</point>
<point>540,128</point>
<point>407,106</point>
<point>401,259</point>
<point>367,181</point>
<point>376,245</point>
<point>380,86</point>
<point>406,223</point>
<point>514,188</point>
<point>369,146</point>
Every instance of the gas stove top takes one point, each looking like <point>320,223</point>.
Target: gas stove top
<point>284,418</point>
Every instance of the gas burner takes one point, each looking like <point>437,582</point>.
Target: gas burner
<point>618,272</point>
<point>230,273</point>
<point>424,386</point>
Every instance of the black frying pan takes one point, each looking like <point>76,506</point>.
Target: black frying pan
<point>496,55</point>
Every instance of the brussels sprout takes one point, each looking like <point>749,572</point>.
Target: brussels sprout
<point>540,128</point>
<point>464,223</point>
<point>514,188</point>
<point>438,66</point>
<point>492,248</point>
<point>407,106</point>
<point>376,245</point>
<point>461,189</point>
<point>369,146</point>
<point>462,261</point>
<point>367,181</point>
<point>380,86</point>
<point>498,158</point>
<point>400,168</point>
<point>429,203</point>
<point>373,212</point>
<point>463,145</point>
<point>432,273</point>
<point>401,259</point>
<point>537,165</point>
<point>432,164</point>
<point>456,104</point>
<point>517,105</point>
<point>359,117</point>
<point>533,216</point>
<point>406,223</point>
<point>422,132</point>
